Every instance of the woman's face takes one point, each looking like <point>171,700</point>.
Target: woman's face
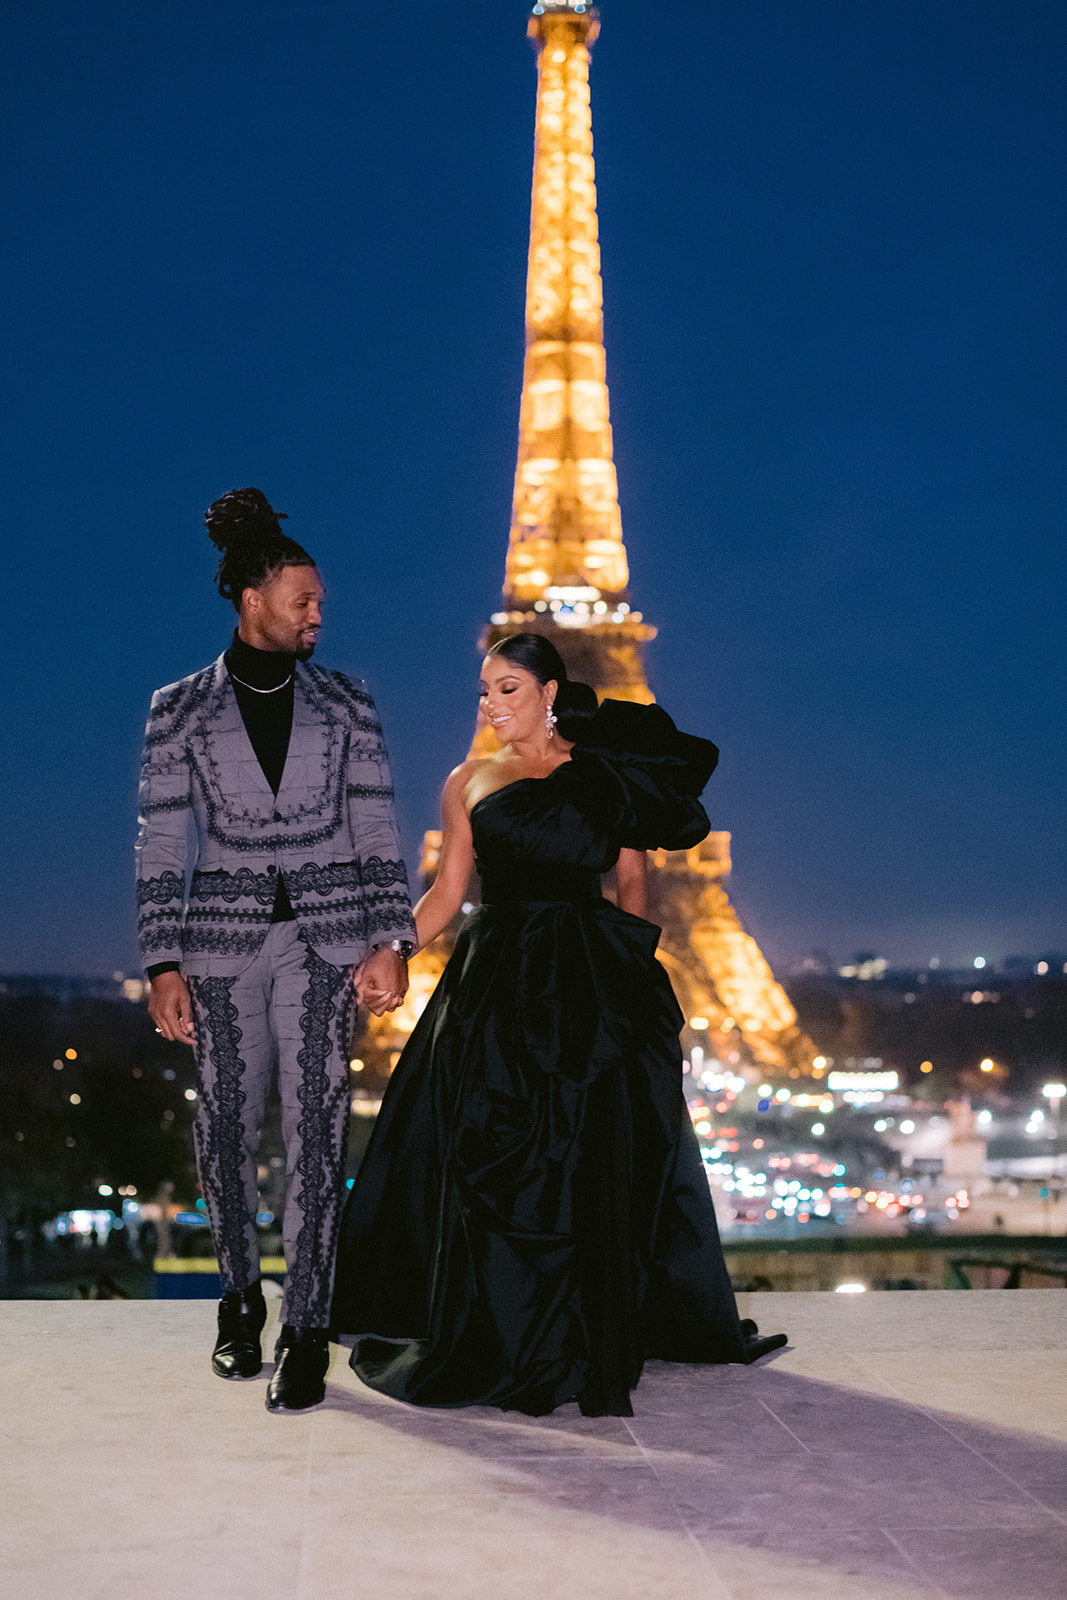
<point>513,700</point>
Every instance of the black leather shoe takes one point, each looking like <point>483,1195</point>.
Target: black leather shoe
<point>299,1379</point>
<point>760,1345</point>
<point>242,1314</point>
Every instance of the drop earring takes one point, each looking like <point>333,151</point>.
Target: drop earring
<point>550,722</point>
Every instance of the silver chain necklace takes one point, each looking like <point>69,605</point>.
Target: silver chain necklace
<point>253,688</point>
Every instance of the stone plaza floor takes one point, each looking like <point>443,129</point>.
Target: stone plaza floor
<point>904,1446</point>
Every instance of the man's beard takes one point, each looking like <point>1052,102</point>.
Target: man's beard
<point>306,653</point>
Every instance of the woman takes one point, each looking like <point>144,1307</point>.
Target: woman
<point>532,1218</point>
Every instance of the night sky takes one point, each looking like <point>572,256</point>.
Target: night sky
<point>285,245</point>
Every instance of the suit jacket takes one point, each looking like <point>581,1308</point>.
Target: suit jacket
<point>213,837</point>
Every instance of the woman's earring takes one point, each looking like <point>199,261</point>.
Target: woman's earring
<point>550,722</point>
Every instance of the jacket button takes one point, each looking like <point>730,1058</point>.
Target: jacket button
<point>277,816</point>
<point>271,871</point>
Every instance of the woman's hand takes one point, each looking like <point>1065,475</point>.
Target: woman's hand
<point>381,980</point>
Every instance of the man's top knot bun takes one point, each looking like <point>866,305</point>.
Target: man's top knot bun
<point>241,515</point>
<point>245,528</point>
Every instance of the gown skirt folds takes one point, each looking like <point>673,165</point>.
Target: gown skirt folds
<point>532,1218</point>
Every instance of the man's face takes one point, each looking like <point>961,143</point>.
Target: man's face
<point>285,613</point>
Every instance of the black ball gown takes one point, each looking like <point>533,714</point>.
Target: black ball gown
<point>532,1217</point>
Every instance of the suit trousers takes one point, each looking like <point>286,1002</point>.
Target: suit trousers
<point>289,1012</point>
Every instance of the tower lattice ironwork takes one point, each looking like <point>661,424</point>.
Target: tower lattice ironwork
<point>567,572</point>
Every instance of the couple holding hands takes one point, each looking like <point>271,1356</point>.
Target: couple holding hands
<point>532,1218</point>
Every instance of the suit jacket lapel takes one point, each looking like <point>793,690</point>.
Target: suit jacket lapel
<point>306,757</point>
<point>238,772</point>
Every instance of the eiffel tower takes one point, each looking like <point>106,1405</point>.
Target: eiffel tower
<point>567,575</point>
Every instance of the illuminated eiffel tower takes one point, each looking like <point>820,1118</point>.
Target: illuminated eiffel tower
<point>566,567</point>
<point>567,573</point>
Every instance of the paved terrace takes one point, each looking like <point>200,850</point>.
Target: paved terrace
<point>905,1446</point>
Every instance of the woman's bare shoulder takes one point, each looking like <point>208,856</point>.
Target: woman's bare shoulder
<point>462,775</point>
<point>466,777</point>
<point>472,780</point>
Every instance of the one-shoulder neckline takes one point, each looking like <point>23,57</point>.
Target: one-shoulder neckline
<point>514,784</point>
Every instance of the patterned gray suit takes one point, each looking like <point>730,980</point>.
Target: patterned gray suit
<point>269,995</point>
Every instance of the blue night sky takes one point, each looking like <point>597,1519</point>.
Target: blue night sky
<point>285,245</point>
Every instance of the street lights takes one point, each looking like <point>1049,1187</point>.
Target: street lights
<point>1054,1093</point>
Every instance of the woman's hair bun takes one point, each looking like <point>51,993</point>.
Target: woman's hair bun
<point>575,707</point>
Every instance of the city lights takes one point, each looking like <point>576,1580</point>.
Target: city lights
<point>879,1081</point>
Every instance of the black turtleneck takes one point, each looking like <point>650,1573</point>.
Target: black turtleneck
<point>263,683</point>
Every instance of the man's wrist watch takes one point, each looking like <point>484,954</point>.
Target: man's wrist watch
<point>404,948</point>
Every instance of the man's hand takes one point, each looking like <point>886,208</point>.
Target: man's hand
<point>381,980</point>
<point>171,1009</point>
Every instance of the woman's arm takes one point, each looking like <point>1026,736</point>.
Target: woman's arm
<point>631,879</point>
<point>446,894</point>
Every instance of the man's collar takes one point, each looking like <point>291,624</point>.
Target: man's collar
<point>263,669</point>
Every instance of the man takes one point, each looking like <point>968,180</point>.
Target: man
<point>271,892</point>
